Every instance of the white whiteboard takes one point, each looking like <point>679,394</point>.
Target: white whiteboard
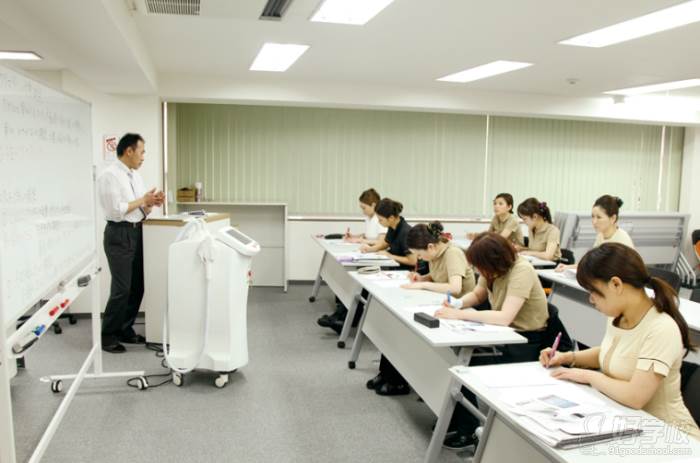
<point>47,213</point>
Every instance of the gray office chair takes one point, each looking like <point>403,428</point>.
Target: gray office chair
<point>554,327</point>
<point>690,385</point>
<point>672,278</point>
<point>695,295</point>
<point>567,257</point>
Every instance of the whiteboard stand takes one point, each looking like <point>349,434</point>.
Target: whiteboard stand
<point>94,360</point>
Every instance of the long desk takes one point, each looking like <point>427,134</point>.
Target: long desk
<point>587,325</point>
<point>505,439</point>
<point>535,261</point>
<point>422,355</point>
<point>335,274</point>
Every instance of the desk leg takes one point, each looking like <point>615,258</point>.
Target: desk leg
<point>359,336</point>
<point>448,408</point>
<point>483,439</point>
<point>317,283</point>
<point>465,355</point>
<point>348,320</point>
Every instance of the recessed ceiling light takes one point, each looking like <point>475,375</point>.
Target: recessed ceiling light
<point>655,88</point>
<point>662,20</point>
<point>357,12</point>
<point>483,71</point>
<point>20,55</point>
<point>277,57</point>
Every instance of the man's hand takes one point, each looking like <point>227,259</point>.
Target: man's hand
<point>150,198</point>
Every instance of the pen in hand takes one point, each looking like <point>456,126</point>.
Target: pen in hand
<point>555,346</point>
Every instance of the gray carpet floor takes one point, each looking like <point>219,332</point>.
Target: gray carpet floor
<point>296,401</point>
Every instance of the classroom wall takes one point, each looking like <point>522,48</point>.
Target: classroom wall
<point>318,160</point>
<point>115,115</point>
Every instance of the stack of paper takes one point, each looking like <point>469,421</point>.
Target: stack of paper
<point>563,416</point>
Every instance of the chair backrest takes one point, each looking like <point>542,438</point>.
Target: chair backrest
<point>695,295</point>
<point>690,385</point>
<point>672,278</point>
<point>554,327</point>
<point>567,257</point>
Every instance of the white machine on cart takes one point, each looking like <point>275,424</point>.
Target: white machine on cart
<point>205,326</point>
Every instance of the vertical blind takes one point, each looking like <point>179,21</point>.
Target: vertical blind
<point>319,160</point>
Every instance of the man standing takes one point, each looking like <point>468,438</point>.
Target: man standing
<point>126,204</point>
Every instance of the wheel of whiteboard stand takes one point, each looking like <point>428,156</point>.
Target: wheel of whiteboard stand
<point>221,381</point>
<point>341,344</point>
<point>72,320</point>
<point>56,386</point>
<point>141,383</point>
<point>351,365</point>
<point>57,328</point>
<point>177,379</point>
<point>312,299</point>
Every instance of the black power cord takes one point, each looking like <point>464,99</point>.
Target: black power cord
<point>142,382</point>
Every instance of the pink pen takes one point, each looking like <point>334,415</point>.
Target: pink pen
<point>555,346</point>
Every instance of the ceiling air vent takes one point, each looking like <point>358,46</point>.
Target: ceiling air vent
<point>274,9</point>
<point>181,7</point>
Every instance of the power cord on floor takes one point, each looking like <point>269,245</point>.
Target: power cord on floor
<point>142,382</point>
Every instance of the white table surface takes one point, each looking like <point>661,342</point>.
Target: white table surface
<point>336,247</point>
<point>473,379</point>
<point>689,309</point>
<point>536,262</point>
<point>395,299</point>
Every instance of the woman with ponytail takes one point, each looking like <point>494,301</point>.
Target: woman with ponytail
<point>504,222</point>
<point>394,243</point>
<point>395,246</point>
<point>638,363</point>
<point>604,218</point>
<point>544,238</point>
<point>449,270</point>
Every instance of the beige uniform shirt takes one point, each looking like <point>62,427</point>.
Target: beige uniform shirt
<point>452,261</point>
<point>620,236</point>
<point>511,224</point>
<point>547,233</point>
<point>654,344</point>
<point>520,281</point>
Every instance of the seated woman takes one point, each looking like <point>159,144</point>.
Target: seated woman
<point>395,246</point>
<point>638,363</point>
<point>604,218</point>
<point>543,237</point>
<point>373,232</point>
<point>517,300</point>
<point>503,222</point>
<point>449,270</point>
